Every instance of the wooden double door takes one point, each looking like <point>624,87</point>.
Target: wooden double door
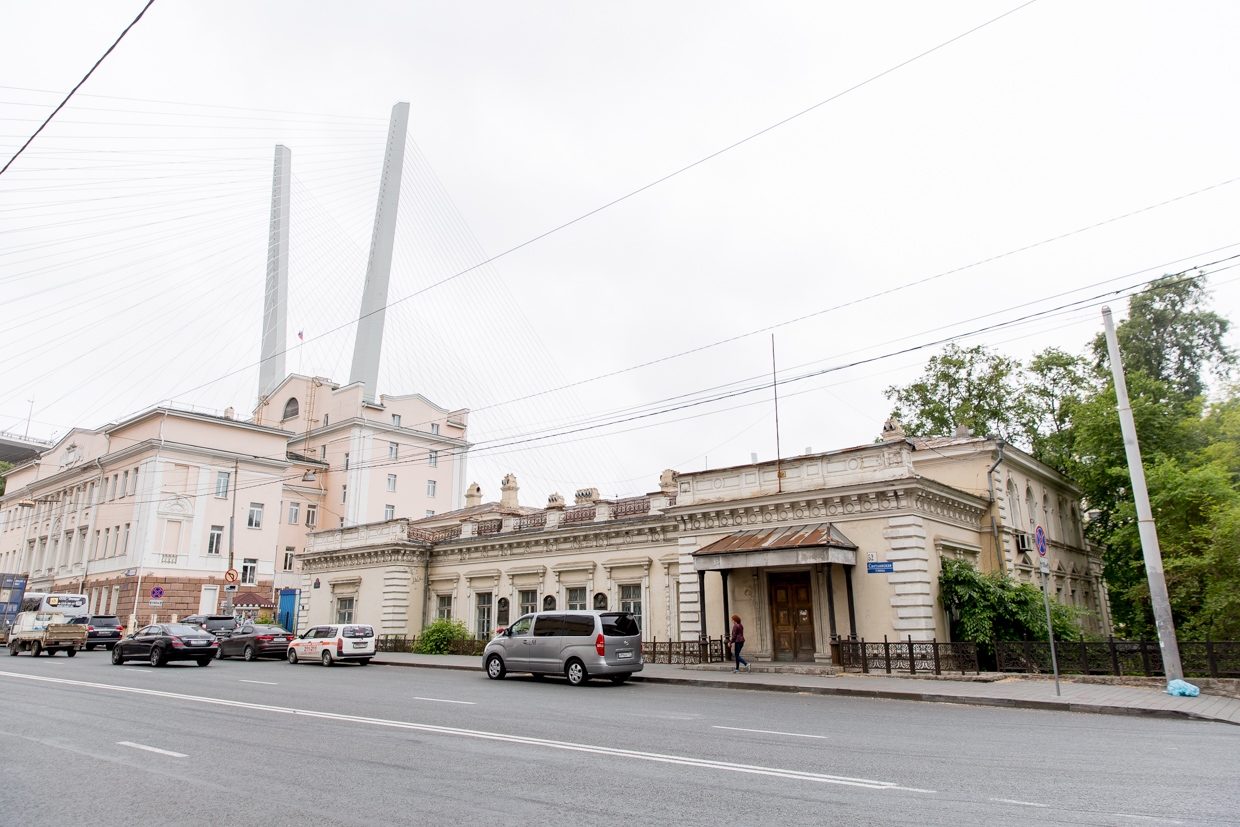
<point>792,616</point>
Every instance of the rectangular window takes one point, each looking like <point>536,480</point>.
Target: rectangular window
<point>221,485</point>
<point>346,461</point>
<point>434,427</point>
<point>576,600</point>
<point>249,571</point>
<point>115,479</point>
<point>484,615</point>
<point>215,540</point>
<point>443,609</point>
<point>344,493</point>
<point>294,513</point>
<point>396,420</point>
<point>342,522</point>
<point>125,544</point>
<point>326,420</point>
<point>389,512</point>
<point>133,482</point>
<point>631,601</point>
<point>289,552</point>
<point>432,459</point>
<point>125,483</point>
<point>344,609</point>
<point>527,601</point>
<point>430,513</point>
<point>94,547</point>
<point>430,488</point>
<point>323,451</point>
<point>391,482</point>
<point>107,534</point>
<point>256,516</point>
<point>312,516</point>
<point>393,450</point>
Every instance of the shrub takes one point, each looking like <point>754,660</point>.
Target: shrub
<point>437,637</point>
<point>988,607</point>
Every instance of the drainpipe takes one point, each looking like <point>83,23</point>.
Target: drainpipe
<point>990,484</point>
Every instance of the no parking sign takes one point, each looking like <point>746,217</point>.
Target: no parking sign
<point>157,592</point>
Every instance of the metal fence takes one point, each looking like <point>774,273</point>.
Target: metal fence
<point>406,643</point>
<point>931,657</point>
<point>714,650</point>
<point>1199,659</point>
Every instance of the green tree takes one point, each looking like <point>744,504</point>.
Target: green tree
<point>1053,385</point>
<point>970,386</point>
<point>5,467</point>
<point>992,606</point>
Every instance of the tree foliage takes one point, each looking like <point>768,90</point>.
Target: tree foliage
<point>991,606</point>
<point>5,467</point>
<point>1062,408</point>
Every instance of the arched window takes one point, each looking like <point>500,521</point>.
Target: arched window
<point>600,602</point>
<point>1046,513</point>
<point>290,408</point>
<point>1033,509</point>
<point>1013,505</point>
<point>1076,528</point>
<point>549,603</point>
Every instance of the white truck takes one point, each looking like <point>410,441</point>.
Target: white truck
<point>37,632</point>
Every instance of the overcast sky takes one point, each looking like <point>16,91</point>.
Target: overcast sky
<point>133,232</point>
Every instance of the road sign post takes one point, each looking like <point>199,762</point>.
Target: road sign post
<point>1044,567</point>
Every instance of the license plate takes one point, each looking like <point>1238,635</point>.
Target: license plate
<point>624,655</point>
<point>359,645</point>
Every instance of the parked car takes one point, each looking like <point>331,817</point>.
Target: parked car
<point>50,632</point>
<point>218,625</point>
<point>334,644</point>
<point>578,645</point>
<point>165,642</point>
<point>101,630</point>
<point>253,641</point>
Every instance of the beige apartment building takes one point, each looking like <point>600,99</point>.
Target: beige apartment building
<point>805,550</point>
<point>144,515</point>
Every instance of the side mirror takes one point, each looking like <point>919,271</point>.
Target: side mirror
<point>131,635</point>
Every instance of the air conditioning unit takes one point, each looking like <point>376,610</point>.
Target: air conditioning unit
<point>1024,541</point>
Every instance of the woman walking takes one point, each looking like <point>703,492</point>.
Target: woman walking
<point>738,641</point>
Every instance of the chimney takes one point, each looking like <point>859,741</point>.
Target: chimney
<point>586,496</point>
<point>473,495</point>
<point>963,432</point>
<point>892,430</point>
<point>229,413</point>
<point>508,491</point>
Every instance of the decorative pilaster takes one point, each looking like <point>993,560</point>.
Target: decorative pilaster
<point>912,593</point>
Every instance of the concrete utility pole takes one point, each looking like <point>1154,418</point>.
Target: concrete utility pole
<point>369,342</point>
<point>1145,517</point>
<point>275,297</point>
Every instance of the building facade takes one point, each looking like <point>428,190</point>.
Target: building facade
<point>805,550</point>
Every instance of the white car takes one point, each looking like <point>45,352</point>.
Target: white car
<point>333,644</point>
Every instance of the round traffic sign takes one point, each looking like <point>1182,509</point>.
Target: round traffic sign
<point>231,575</point>
<point>157,592</point>
<point>1039,537</point>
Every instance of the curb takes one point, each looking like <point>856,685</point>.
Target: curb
<point>883,694</point>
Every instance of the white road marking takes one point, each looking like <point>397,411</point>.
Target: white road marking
<point>139,670</point>
<point>444,701</point>
<point>1021,803</point>
<point>167,752</point>
<point>615,752</point>
<point>768,732</point>
<point>264,683</point>
<point>1148,818</point>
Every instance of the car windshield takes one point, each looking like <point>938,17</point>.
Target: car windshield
<point>620,625</point>
<point>182,629</point>
<point>358,631</point>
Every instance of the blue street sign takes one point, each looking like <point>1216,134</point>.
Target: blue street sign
<point>157,592</point>
<point>1039,537</point>
<point>879,568</point>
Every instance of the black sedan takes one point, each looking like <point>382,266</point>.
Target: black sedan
<point>166,642</point>
<point>253,641</point>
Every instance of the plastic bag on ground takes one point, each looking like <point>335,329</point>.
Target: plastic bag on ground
<point>1178,687</point>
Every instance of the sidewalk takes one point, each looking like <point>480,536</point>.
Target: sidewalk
<point>1015,693</point>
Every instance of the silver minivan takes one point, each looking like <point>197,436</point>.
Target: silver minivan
<point>577,645</point>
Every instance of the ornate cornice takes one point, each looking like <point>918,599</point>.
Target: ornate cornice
<point>357,558</point>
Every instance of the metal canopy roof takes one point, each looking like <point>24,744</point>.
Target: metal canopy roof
<point>771,539</point>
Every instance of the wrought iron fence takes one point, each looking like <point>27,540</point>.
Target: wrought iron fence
<point>409,643</point>
<point>1199,659</point>
<point>685,651</point>
<point>915,657</point>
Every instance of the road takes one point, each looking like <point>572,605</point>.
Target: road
<point>86,742</point>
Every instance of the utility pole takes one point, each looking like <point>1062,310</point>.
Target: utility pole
<point>1145,517</point>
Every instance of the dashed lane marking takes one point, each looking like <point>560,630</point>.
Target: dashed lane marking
<point>769,732</point>
<point>445,701</point>
<point>167,752</point>
<point>264,683</point>
<point>613,752</point>
<point>1019,803</point>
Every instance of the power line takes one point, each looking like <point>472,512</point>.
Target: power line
<point>149,3</point>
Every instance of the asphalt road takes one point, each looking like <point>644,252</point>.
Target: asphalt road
<point>83,742</point>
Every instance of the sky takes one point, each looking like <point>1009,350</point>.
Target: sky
<point>947,182</point>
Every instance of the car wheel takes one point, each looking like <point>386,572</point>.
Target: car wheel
<point>495,668</point>
<point>71,652</point>
<point>117,657</point>
<point>35,649</point>
<point>157,657</point>
<point>364,662</point>
<point>576,673</point>
<point>90,647</point>
<point>13,649</point>
<point>248,654</point>
<point>619,679</point>
<point>219,653</point>
<point>327,658</point>
<point>292,656</point>
<point>204,661</point>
